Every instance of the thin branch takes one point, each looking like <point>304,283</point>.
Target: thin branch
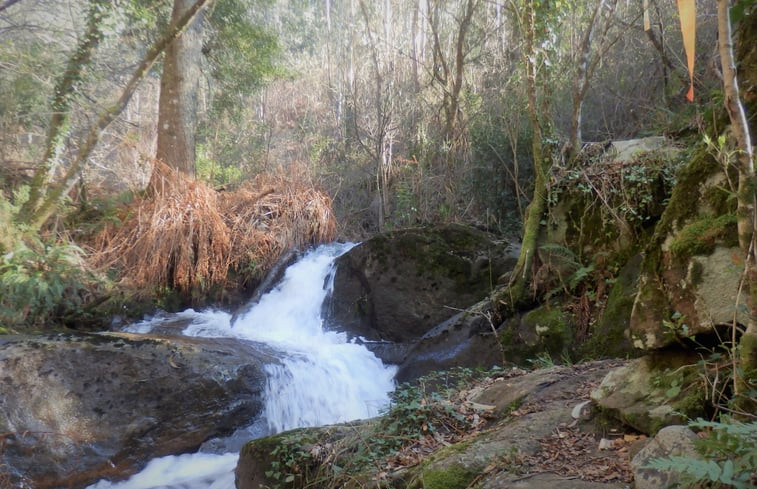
<point>8,3</point>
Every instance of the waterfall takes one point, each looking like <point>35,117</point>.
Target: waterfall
<point>322,378</point>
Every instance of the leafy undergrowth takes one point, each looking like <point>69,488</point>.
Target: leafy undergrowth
<point>424,417</point>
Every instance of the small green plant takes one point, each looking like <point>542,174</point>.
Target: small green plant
<point>728,456</point>
<point>542,360</point>
<point>676,326</point>
<point>42,283</point>
<point>289,462</point>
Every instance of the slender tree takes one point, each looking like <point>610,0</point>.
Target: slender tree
<point>523,270</point>
<point>747,217</point>
<point>65,92</point>
<point>594,46</point>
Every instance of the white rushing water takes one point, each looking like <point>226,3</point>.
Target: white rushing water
<point>322,379</point>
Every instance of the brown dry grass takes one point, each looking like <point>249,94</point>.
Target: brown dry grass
<point>186,236</point>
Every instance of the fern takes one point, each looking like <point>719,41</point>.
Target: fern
<point>728,455</point>
<point>561,255</point>
<point>42,283</point>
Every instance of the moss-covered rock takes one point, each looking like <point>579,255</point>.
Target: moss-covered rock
<point>654,391</point>
<point>691,268</point>
<point>397,286</point>
<point>609,336</point>
<point>305,457</point>
<point>452,477</point>
<point>547,329</point>
<point>550,328</point>
<point>608,203</point>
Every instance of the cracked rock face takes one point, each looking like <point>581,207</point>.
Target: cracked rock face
<point>75,408</point>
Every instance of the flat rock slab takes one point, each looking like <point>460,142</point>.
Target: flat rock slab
<point>542,434</point>
<point>75,408</point>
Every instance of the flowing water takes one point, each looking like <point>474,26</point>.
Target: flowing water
<point>322,379</point>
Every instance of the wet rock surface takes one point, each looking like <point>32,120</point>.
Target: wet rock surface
<point>405,294</point>
<point>75,408</point>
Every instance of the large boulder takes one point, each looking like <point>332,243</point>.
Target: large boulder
<point>653,391</point>
<point>671,441</point>
<point>692,265</point>
<point>75,408</point>
<point>397,286</point>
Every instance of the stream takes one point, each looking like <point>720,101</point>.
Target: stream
<point>322,379</point>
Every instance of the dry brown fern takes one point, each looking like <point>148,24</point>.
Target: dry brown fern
<point>184,235</point>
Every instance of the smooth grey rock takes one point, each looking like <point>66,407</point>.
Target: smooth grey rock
<point>641,393</point>
<point>80,407</point>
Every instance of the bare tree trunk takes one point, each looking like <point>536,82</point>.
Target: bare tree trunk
<point>179,84</point>
<point>747,217</point>
<point>580,85</point>
<point>601,20</point>
<point>449,73</point>
<point>378,149</point>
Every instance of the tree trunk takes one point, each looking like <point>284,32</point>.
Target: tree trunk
<point>523,270</point>
<point>747,218</point>
<point>179,84</point>
<point>580,84</point>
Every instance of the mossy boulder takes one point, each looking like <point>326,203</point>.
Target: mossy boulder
<point>546,329</point>
<point>654,391</point>
<point>631,179</point>
<point>397,286</point>
<point>292,458</point>
<point>692,265</point>
<point>549,328</point>
<point>451,477</point>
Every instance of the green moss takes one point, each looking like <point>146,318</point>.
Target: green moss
<point>552,326</point>
<point>608,337</point>
<point>696,273</point>
<point>684,199</point>
<point>453,477</point>
<point>443,251</point>
<point>719,200</point>
<point>700,236</point>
